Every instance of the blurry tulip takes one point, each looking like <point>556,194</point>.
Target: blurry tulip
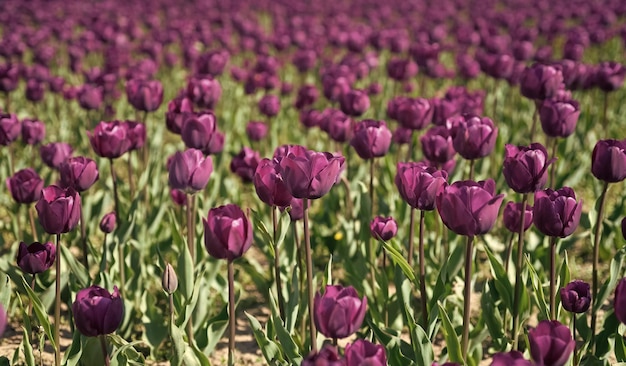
<point>371,139</point>
<point>576,296</point>
<point>58,209</point>
<point>178,110</point>
<point>511,216</point>
<point>327,356</point>
<point>339,313</point>
<point>551,343</point>
<point>90,97</point>
<point>362,352</point>
<point>401,70</point>
<point>512,358</point>
<point>269,105</point>
<point>437,144</point>
<point>204,92</point>
<point>559,118</point>
<point>179,197</point>
<point>110,139</point>
<point>307,96</point>
<point>55,154</point>
<point>25,186</point>
<point>35,90</point>
<point>540,82</point>
<point>227,232</point>
<point>144,95</point>
<point>556,213</point>
<point>9,128</point>
<point>190,170</point>
<point>9,77</point>
<point>475,137</point>
<point>610,76</point>
<point>414,113</point>
<point>97,312</point>
<point>608,160</point>
<point>383,228</point>
<point>256,131</point>
<point>418,184</point>
<point>198,129</point>
<point>245,163</point>
<point>354,102</point>
<point>33,131</point>
<point>36,257</point>
<point>525,169</point>
<point>79,173</point>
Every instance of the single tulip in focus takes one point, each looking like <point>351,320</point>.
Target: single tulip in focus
<point>414,113</point>
<point>511,216</point>
<point>227,232</point>
<point>108,222</point>
<point>608,160</point>
<point>540,82</point>
<point>58,209</point>
<point>371,139</point>
<point>383,228</point>
<point>79,173</point>
<point>469,208</point>
<point>110,139</point>
<point>475,137</point>
<point>551,343</point>
<point>25,186</point>
<point>525,169</point>
<point>512,358</point>
<point>576,296</point>
<point>169,280</point>
<point>339,313</point>
<point>198,129</point>
<point>362,352</point>
<point>559,117</point>
<point>312,174</point>
<point>36,257</point>
<point>97,312</point>
<point>419,184</point>
<point>190,170</point>
<point>556,213</point>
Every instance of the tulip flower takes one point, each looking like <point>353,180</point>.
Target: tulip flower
<point>354,102</point>
<point>108,222</point>
<point>525,168</point>
<point>269,184</point>
<point>608,160</point>
<point>204,92</point>
<point>556,213</point>
<point>512,358</point>
<point>576,296</point>
<point>90,97</point>
<point>58,209</point>
<point>136,134</point>
<point>198,129</point>
<point>79,173</point>
<point>33,131</point>
<point>339,126</point>
<point>339,313</point>
<point>475,137</point>
<point>551,343</point>
<point>269,105</point>
<point>178,110</point>
<point>327,356</point>
<point>619,303</point>
<point>97,312</point>
<point>559,117</point>
<point>227,232</point>
<point>307,96</point>
<point>610,76</point>
<point>383,228</point>
<point>110,139</point>
<point>54,154</point>
<point>245,163</point>
<point>418,184</point>
<point>511,216</point>
<point>36,257</point>
<point>363,352</point>
<point>25,186</point>
<point>371,139</point>
<point>437,144</point>
<point>169,280</point>
<point>540,82</point>
<point>256,131</point>
<point>189,171</point>
<point>414,114</point>
<point>312,174</point>
<point>144,95</point>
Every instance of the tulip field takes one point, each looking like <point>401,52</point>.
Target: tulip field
<point>313,183</point>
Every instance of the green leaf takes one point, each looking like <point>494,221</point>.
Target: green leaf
<point>492,318</point>
<point>4,361</point>
<point>72,355</point>
<point>269,348</point>
<point>29,358</point>
<point>289,346</point>
<point>615,274</point>
<point>215,329</point>
<point>329,271</point>
<point>186,272</point>
<point>502,282</point>
<point>76,267</point>
<point>544,309</point>
<point>620,347</point>
<point>452,340</point>
<point>40,312</point>
<point>398,259</point>
<point>179,345</point>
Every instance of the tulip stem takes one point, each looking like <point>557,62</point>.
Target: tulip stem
<point>370,244</point>
<point>422,265</point>
<point>534,124</point>
<point>471,169</point>
<point>301,276</point>
<point>596,258</point>
<point>555,145</point>
<point>83,240</point>
<point>469,249</point>
<point>411,232</point>
<point>104,253</point>
<point>115,196</point>
<point>518,272</point>
<point>105,353</point>
<point>131,181</point>
<point>279,282</point>
<point>191,244</point>
<point>575,358</point>
<point>604,113</point>
<point>309,273</point>
<point>33,229</point>
<point>553,278</point>
<point>11,160</point>
<point>57,304</point>
<point>231,313</point>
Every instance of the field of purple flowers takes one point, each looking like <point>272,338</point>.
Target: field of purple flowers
<point>391,183</point>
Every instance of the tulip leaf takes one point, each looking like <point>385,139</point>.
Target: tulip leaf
<point>71,356</point>
<point>4,361</point>
<point>615,274</point>
<point>215,328</point>
<point>124,347</point>
<point>452,340</point>
<point>293,304</point>
<point>186,272</point>
<point>289,346</point>
<point>270,350</point>
<point>502,282</point>
<point>178,344</point>
<point>76,267</point>
<point>492,318</point>
<point>398,259</point>
<point>27,348</point>
<point>40,312</point>
<point>329,271</point>
<point>620,347</point>
<point>544,309</point>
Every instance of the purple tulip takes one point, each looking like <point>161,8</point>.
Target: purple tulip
<point>307,96</point>
<point>469,208</point>
<point>97,312</point>
<point>310,174</point>
<point>414,113</point>
<point>256,130</point>
<point>144,95</point>
<point>108,222</point>
<point>35,90</point>
<point>576,296</point>
<point>55,154</point>
<point>419,184</point>
<point>110,139</point>
<point>354,102</point>
<point>169,280</point>
<point>383,228</point>
<point>269,105</point>
<point>511,216</point>
<point>540,82</point>
<point>9,78</point>
<point>33,131</point>
<point>227,232</point>
<point>619,303</point>
<point>269,184</point>
<point>475,137</point>
<point>559,117</point>
<point>212,63</point>
<point>58,209</point>
<point>608,160</point>
<point>610,76</point>
<point>437,144</point>
<point>371,139</point>
<point>551,343</point>
<point>327,356</point>
<point>339,313</point>
<point>136,134</point>
<point>25,186</point>
<point>205,92</point>
<point>338,125</point>
<point>402,135</point>
<point>36,257</point>
<point>178,110</point>
<point>79,173</point>
<point>525,168</point>
<point>189,171</point>
<point>362,352</point>
<point>556,213</point>
<point>178,197</point>
<point>401,69</point>
<point>9,128</point>
<point>512,358</point>
<point>198,129</point>
<point>624,228</point>
<point>216,143</point>
<point>90,97</point>
<point>245,163</point>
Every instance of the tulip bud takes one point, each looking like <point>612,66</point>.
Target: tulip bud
<point>198,129</point>
<point>90,97</point>
<point>245,163</point>
<point>608,160</point>
<point>414,113</point>
<point>179,197</point>
<point>256,131</point>
<point>540,82</point>
<point>312,174</point>
<point>25,186</point>
<point>475,137</point>
<point>354,102</point>
<point>204,92</point>
<point>556,213</point>
<point>169,281</point>
<point>58,209</point>
<point>576,297</point>
<point>269,184</point>
<point>371,139</point>
<point>339,313</point>
<point>9,128</point>
<point>144,95</point>
<point>33,131</point>
<point>108,222</point>
<point>36,257</point>
<point>227,232</point>
<point>418,184</point>
<point>525,169</point>
<point>178,110</point>
<point>551,343</point>
<point>78,172</point>
<point>269,105</point>
<point>110,139</point>
<point>97,312</point>
<point>559,117</point>
<point>511,216</point>
<point>383,228</point>
<point>363,352</point>
<point>437,144</point>
<point>189,171</point>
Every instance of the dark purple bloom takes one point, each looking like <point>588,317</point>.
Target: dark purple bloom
<point>327,356</point>
<point>362,352</point>
<point>79,173</point>
<point>108,222</point>
<point>610,76</point>
<point>9,128</point>
<point>198,130</point>
<point>136,134</point>
<point>190,170</point>
<point>25,186</point>
<point>475,137</point>
<point>307,96</point>
<point>551,343</point>
<point>540,82</point>
<point>339,313</point>
<point>97,312</point>
<point>90,97</point>
<point>33,131</point>
<point>608,160</point>
<point>512,358</point>
<point>576,296</point>
<point>559,117</point>
<point>371,139</point>
<point>401,69</point>
<point>205,92</point>
<point>144,95</point>
<point>179,197</point>
<point>419,184</point>
<point>269,184</point>
<point>58,209</point>
<point>256,130</point>
<point>269,105</point>
<point>178,110</point>
<point>383,228</point>
<point>437,144</point>
<point>110,139</point>
<point>556,213</point>
<point>9,77</point>
<point>227,232</point>
<point>512,219</point>
<point>35,90</point>
<point>525,168</point>
<point>310,174</point>
<point>36,257</point>
<point>402,135</point>
<point>469,208</point>
<point>55,153</point>
<point>619,303</point>
<point>245,163</point>
<point>354,102</point>
<point>414,113</point>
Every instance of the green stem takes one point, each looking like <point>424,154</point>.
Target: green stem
<point>191,244</point>
<point>604,112</point>
<point>518,273</point>
<point>555,145</point>
<point>279,282</point>
<point>471,170</point>
<point>467,296</point>
<point>57,304</point>
<point>33,229</point>
<point>231,313</point>
<point>115,195</point>
<point>105,353</point>
<point>411,232</point>
<point>553,278</point>
<point>596,261</point>
<point>83,240</point>
<point>131,181</point>
<point>534,124</point>
<point>122,262</point>
<point>422,264</point>
<point>309,274</point>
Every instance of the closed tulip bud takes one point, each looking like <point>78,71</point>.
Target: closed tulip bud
<point>339,313</point>
<point>414,113</point>
<point>610,76</point>
<point>525,169</point>
<point>556,213</point>
<point>198,129</point>
<point>97,312</point>
<point>169,280</point>
<point>269,105</point>
<point>9,128</point>
<point>363,352</point>
<point>418,184</point>
<point>136,134</point>
<point>212,63</point>
<point>469,208</point>
<point>296,209</point>
<point>110,139</point>
<point>512,358</point>
<point>204,92</point>
<point>551,343</point>
<point>108,222</point>
<point>90,97</point>
<point>256,131</point>
<point>79,173</point>
<point>178,110</point>
<point>269,184</point>
<point>540,82</point>
<point>25,186</point>
<point>608,160</point>
<point>354,102</point>
<point>437,144</point>
<point>33,131</point>
<point>312,174</point>
<point>334,88</point>
<point>339,126</point>
<point>559,117</point>
<point>36,257</point>
<point>576,296</point>
<point>179,197</point>
<point>475,137</point>
<point>190,170</point>
<point>371,139</point>
<point>58,209</point>
<point>245,163</point>
<point>511,216</point>
<point>227,232</point>
<point>327,356</point>
<point>55,154</point>
<point>383,228</point>
<point>619,303</point>
<point>467,66</point>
